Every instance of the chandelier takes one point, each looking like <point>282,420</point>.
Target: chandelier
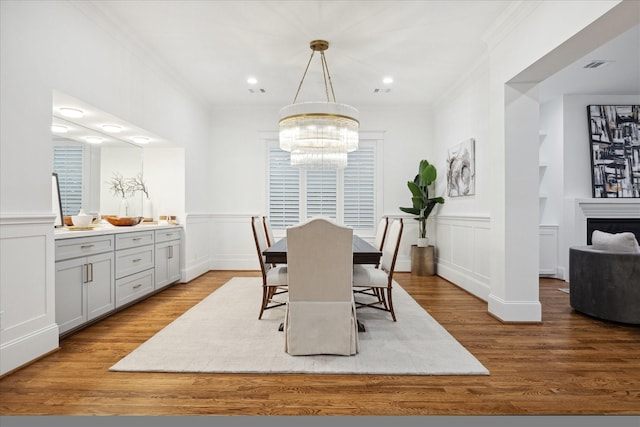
<point>319,134</point>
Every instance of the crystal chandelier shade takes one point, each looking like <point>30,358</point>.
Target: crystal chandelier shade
<point>319,134</point>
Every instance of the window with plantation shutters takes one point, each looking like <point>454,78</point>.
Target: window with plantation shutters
<point>348,196</point>
<point>67,163</point>
<point>359,188</point>
<point>284,189</point>
<point>321,193</point>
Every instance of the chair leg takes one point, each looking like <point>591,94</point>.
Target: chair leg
<point>390,302</point>
<point>265,300</point>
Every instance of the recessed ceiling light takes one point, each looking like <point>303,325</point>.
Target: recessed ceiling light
<point>387,80</point>
<point>94,139</point>
<point>252,80</point>
<point>71,112</point>
<point>59,129</point>
<point>111,128</point>
<point>140,139</point>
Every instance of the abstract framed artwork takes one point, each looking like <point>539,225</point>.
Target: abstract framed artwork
<point>615,150</point>
<point>461,169</point>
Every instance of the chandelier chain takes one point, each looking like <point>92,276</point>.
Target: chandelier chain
<point>326,76</point>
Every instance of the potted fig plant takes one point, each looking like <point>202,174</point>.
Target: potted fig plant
<point>422,257</point>
<point>422,204</point>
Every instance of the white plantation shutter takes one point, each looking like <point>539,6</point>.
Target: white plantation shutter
<point>321,193</point>
<point>348,195</point>
<point>67,162</point>
<point>284,190</point>
<point>359,189</point>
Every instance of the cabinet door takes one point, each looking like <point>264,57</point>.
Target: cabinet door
<point>101,285</point>
<point>167,263</point>
<point>70,295</point>
<point>173,261</point>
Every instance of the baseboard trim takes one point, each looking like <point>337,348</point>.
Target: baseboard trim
<point>515,311</point>
<point>24,350</point>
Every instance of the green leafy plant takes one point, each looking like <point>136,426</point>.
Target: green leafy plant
<point>422,204</point>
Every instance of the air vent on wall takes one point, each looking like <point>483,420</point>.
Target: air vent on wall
<point>597,63</point>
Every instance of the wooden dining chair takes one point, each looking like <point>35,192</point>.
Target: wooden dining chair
<point>381,233</point>
<point>378,242</point>
<point>268,231</point>
<point>321,314</point>
<point>380,280</point>
<point>274,279</point>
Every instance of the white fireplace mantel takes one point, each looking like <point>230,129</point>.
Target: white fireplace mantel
<point>603,208</point>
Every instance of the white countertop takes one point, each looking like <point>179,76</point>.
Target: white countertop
<point>66,233</point>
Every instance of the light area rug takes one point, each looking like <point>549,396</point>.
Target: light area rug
<point>222,334</point>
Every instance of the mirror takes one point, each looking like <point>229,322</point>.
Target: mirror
<point>85,168</point>
<point>90,167</point>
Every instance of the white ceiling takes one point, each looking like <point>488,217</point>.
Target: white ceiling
<point>214,46</point>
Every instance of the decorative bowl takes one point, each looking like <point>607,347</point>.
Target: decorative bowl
<point>81,220</point>
<point>124,221</point>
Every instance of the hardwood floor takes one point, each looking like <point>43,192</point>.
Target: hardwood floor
<point>568,364</point>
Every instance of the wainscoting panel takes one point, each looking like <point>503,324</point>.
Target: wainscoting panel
<point>462,252</point>
<point>197,239</point>
<point>232,245</point>
<point>27,289</point>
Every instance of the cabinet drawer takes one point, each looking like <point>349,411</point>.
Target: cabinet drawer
<point>133,287</point>
<point>134,260</point>
<point>167,235</point>
<point>132,240</point>
<point>83,246</point>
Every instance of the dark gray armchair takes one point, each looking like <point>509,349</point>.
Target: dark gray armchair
<point>605,284</point>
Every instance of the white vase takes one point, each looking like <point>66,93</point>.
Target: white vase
<point>124,207</point>
<point>147,208</point>
<point>423,242</point>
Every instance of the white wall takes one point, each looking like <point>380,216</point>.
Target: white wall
<point>66,46</point>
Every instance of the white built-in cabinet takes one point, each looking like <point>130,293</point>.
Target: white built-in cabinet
<point>97,275</point>
<point>84,280</point>
<point>167,257</point>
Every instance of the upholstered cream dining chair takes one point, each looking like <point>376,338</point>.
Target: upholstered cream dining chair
<point>380,279</point>
<point>321,315</point>
<point>274,279</point>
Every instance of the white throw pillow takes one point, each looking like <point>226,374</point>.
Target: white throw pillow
<point>619,242</point>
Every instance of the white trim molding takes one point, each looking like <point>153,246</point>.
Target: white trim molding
<point>602,208</point>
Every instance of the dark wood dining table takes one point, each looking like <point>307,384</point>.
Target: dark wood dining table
<point>363,252</point>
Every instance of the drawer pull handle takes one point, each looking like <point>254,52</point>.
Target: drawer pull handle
<point>86,246</point>
<point>137,286</point>
<point>137,260</point>
<point>135,239</point>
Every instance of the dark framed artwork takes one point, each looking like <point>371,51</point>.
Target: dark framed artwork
<point>615,150</point>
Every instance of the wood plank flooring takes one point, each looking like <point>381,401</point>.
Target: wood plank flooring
<point>568,364</point>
